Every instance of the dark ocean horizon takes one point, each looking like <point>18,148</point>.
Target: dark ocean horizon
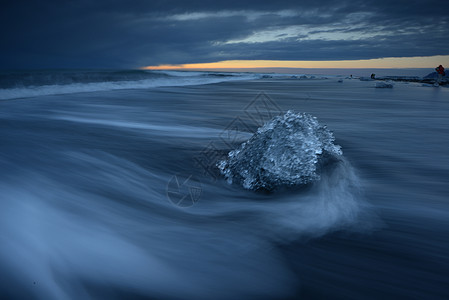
<point>29,83</point>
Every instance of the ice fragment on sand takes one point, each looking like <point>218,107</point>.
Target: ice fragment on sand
<point>382,84</point>
<point>286,151</point>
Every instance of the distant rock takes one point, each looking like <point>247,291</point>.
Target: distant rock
<point>434,75</point>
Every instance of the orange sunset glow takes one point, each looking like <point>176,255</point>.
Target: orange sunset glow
<point>392,62</point>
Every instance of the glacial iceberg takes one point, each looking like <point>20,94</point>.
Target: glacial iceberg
<point>287,151</point>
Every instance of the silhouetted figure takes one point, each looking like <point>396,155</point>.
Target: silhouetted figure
<point>441,73</point>
<point>373,76</point>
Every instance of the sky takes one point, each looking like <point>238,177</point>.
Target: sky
<point>135,34</point>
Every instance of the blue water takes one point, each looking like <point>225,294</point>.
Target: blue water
<point>90,208</point>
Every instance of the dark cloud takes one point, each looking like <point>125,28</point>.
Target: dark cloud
<point>116,34</point>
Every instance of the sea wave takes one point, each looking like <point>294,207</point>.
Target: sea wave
<point>15,85</point>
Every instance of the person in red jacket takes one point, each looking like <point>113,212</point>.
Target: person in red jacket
<point>441,73</point>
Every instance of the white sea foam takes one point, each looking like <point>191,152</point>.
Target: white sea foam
<point>155,129</point>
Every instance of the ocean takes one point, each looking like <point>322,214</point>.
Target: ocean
<point>110,188</point>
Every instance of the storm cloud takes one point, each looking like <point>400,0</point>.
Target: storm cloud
<point>123,34</point>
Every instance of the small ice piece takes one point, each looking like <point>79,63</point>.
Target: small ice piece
<point>286,151</point>
<point>383,84</point>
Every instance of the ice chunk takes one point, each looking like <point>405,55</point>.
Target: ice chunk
<point>286,151</point>
<point>383,84</point>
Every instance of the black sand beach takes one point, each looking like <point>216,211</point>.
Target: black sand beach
<point>87,203</point>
